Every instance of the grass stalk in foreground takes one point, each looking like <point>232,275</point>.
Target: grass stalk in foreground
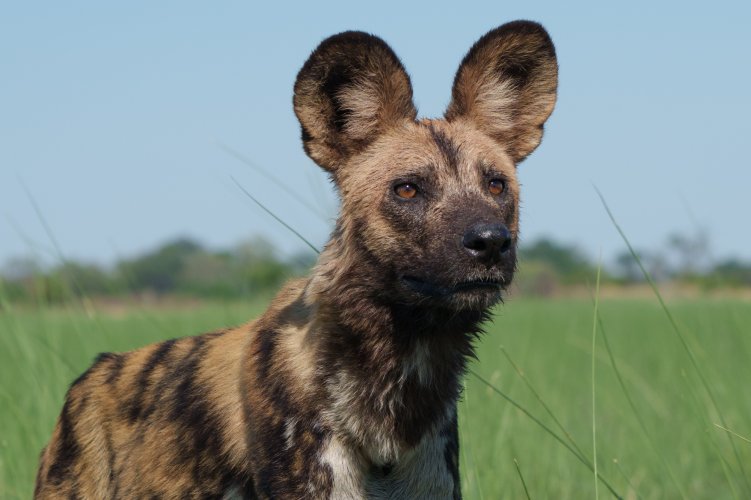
<point>547,429</point>
<point>276,217</point>
<point>636,412</point>
<point>625,477</point>
<point>681,337</point>
<point>549,411</point>
<point>275,180</point>
<point>524,483</point>
<point>79,292</point>
<point>698,407</point>
<point>594,413</point>
<point>733,433</point>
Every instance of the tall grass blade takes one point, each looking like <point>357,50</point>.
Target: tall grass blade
<point>548,410</point>
<point>625,476</point>
<point>635,411</point>
<point>524,483</point>
<point>547,429</point>
<point>278,183</point>
<point>733,433</point>
<point>272,214</point>
<point>79,294</point>
<point>594,413</point>
<point>35,247</point>
<point>43,221</point>
<point>700,412</point>
<point>679,333</point>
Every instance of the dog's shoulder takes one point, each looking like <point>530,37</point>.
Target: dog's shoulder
<point>147,417</point>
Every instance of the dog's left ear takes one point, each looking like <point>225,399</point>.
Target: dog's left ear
<point>352,89</point>
<point>506,86</point>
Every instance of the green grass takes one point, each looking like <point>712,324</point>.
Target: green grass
<point>551,343</point>
<point>664,443</point>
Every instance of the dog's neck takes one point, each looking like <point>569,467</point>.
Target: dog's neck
<point>391,372</point>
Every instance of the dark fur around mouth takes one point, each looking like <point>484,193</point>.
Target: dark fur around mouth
<point>432,289</point>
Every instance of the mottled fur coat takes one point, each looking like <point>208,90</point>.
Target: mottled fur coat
<point>346,387</point>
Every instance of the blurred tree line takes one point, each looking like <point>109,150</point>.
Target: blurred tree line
<point>184,267</point>
<point>546,265</point>
<point>178,267</point>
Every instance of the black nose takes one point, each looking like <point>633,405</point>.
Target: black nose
<point>486,242</point>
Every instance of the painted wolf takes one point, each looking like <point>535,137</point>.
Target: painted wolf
<point>347,386</point>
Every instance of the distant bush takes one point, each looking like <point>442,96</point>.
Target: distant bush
<point>181,266</point>
<point>159,271</point>
<point>732,272</point>
<point>546,265</point>
<point>569,263</point>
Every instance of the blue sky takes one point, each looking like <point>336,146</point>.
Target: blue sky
<point>112,116</point>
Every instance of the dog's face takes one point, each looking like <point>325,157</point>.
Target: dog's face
<point>435,203</point>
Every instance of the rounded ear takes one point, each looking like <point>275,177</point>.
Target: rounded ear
<point>351,90</point>
<point>506,85</point>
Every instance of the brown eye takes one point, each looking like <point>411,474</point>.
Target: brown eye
<point>496,186</point>
<point>406,190</point>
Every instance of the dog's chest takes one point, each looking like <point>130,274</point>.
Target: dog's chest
<point>422,472</point>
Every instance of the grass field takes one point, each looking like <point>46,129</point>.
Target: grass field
<point>655,439</point>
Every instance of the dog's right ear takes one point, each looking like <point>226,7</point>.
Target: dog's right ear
<point>507,85</point>
<point>351,90</point>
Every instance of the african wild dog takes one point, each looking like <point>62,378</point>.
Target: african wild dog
<point>346,387</point>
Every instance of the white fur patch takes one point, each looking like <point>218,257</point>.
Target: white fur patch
<point>346,471</point>
<point>419,362</point>
<point>422,473</point>
<point>289,432</point>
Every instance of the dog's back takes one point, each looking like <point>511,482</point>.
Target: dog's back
<point>152,423</point>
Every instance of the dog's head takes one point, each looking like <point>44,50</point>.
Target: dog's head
<point>434,203</point>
